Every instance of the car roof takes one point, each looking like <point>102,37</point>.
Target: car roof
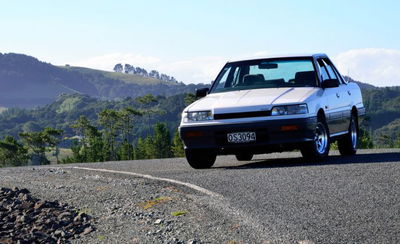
<point>313,55</point>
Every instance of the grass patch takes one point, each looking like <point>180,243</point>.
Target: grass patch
<point>64,152</point>
<point>151,203</point>
<point>334,146</point>
<point>86,211</point>
<point>101,238</point>
<point>178,213</point>
<point>68,104</point>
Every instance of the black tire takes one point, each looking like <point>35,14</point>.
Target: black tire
<point>318,149</point>
<point>348,144</point>
<point>244,156</point>
<point>200,159</point>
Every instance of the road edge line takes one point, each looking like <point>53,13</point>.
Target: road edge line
<point>189,185</point>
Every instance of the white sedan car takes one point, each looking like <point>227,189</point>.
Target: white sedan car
<point>272,105</point>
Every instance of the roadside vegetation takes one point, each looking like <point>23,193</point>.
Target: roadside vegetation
<point>118,132</point>
<point>79,128</point>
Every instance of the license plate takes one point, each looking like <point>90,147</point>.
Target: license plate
<point>241,137</point>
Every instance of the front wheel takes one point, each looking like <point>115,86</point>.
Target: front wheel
<point>348,144</point>
<point>200,159</point>
<point>244,156</point>
<point>318,149</point>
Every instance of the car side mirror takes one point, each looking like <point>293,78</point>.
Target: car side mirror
<point>330,83</point>
<point>202,92</point>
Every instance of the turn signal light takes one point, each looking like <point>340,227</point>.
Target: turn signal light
<point>289,127</point>
<point>193,134</point>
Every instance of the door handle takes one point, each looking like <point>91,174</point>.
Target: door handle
<point>348,92</point>
<point>337,95</point>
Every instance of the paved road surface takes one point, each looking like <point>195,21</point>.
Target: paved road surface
<point>352,199</point>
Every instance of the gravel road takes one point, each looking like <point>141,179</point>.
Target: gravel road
<point>275,198</point>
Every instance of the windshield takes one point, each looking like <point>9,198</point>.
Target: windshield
<point>267,73</point>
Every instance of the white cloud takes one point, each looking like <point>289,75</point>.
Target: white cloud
<point>377,66</point>
<point>198,69</point>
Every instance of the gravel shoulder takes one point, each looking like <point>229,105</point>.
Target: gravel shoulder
<point>128,209</point>
<point>275,198</point>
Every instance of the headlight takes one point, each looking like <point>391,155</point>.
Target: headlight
<point>197,116</point>
<point>289,109</point>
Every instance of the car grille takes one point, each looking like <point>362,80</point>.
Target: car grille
<point>242,115</point>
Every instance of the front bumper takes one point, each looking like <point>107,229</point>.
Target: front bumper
<point>269,133</point>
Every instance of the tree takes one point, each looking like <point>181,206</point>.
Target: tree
<point>127,117</point>
<point>129,69</point>
<point>398,140</point>
<point>177,146</point>
<point>12,153</point>
<point>140,149</point>
<point>162,141</point>
<point>37,143</point>
<point>190,98</point>
<point>108,118</point>
<point>118,68</point>
<point>149,148</point>
<point>53,137</point>
<point>90,146</point>
<point>147,99</point>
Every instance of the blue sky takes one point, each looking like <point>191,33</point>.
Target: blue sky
<point>192,39</point>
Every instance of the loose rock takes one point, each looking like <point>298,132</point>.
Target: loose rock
<point>25,219</point>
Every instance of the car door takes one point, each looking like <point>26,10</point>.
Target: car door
<point>334,105</point>
<point>346,98</point>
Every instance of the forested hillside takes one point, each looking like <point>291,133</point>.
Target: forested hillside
<point>27,82</point>
<point>93,130</point>
<point>383,114</point>
<point>68,108</point>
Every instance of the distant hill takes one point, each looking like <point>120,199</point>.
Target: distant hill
<point>27,82</point>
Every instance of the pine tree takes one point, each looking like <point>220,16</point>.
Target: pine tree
<point>38,142</point>
<point>149,148</point>
<point>162,141</point>
<point>108,118</point>
<point>127,117</point>
<point>140,149</point>
<point>12,153</point>
<point>177,146</point>
<point>90,146</point>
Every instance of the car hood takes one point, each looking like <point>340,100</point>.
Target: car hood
<point>251,100</point>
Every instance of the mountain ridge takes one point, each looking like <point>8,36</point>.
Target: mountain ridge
<point>28,82</point>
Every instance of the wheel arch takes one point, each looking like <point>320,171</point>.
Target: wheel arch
<point>354,112</point>
<point>321,115</point>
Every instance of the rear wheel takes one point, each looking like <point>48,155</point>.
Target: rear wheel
<point>244,156</point>
<point>318,149</point>
<point>348,144</point>
<point>200,159</point>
